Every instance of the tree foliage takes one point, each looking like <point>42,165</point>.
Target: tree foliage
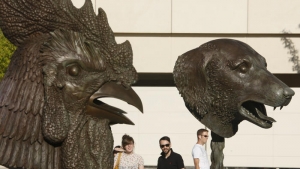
<point>289,44</point>
<point>6,51</point>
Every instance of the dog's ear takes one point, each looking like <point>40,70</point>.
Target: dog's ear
<point>191,80</point>
<point>189,73</point>
<point>200,60</point>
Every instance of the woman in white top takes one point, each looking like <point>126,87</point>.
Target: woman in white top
<point>128,159</point>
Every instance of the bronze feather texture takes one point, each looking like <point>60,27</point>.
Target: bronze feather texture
<point>66,59</point>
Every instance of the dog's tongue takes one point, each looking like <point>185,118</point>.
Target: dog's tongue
<point>262,116</point>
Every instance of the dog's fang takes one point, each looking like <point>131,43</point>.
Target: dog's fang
<point>264,117</point>
<point>281,107</point>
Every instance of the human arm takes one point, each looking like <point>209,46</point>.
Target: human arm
<point>196,163</point>
<point>141,162</point>
<point>196,152</point>
<point>158,166</point>
<point>180,162</point>
<point>141,166</point>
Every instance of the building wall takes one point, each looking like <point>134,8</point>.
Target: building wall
<point>160,31</point>
<point>252,146</point>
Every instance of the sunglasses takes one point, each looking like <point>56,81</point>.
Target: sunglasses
<point>205,135</point>
<point>162,146</point>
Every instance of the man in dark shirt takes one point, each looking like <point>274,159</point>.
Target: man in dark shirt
<point>168,159</point>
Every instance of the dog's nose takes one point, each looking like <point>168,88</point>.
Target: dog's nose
<point>288,93</point>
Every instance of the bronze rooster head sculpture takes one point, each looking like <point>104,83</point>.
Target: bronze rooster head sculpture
<point>66,59</point>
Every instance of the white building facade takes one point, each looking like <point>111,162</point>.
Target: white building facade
<point>161,30</point>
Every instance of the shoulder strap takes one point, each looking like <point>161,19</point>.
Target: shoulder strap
<point>118,161</point>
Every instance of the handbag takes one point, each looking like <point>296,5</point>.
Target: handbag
<point>118,161</point>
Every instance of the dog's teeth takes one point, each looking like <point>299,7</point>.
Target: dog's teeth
<point>281,107</point>
<point>275,108</point>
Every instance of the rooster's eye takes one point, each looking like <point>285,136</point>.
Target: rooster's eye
<point>73,70</point>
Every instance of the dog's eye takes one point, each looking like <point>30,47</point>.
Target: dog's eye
<point>243,67</point>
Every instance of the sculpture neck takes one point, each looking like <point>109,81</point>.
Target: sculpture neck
<point>92,141</point>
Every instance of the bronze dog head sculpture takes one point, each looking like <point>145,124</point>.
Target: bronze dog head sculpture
<point>224,82</point>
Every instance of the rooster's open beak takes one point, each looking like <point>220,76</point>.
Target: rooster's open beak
<point>101,110</point>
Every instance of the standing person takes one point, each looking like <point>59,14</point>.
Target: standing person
<point>199,152</point>
<point>128,159</point>
<point>168,159</point>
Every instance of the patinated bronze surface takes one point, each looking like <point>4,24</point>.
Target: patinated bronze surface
<point>224,82</point>
<point>66,59</point>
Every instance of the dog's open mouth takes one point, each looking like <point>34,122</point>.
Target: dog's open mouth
<point>256,113</point>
